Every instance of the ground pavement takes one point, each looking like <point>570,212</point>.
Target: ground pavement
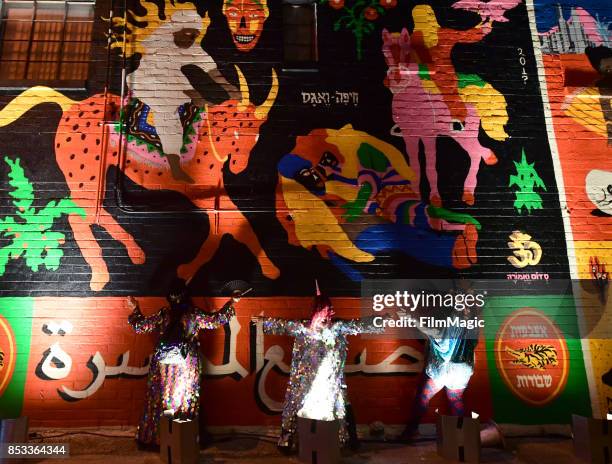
<point>116,446</point>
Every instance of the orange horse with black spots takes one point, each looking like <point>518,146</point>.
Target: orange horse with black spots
<point>87,144</point>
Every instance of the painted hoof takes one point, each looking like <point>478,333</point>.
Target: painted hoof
<point>270,271</point>
<point>186,271</point>
<point>435,200</point>
<point>491,159</point>
<point>98,281</point>
<point>137,255</point>
<point>468,198</point>
<point>464,251</point>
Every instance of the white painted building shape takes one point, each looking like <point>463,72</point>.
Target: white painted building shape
<point>568,37</point>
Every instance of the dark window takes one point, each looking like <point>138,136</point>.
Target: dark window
<point>45,42</point>
<point>299,33</point>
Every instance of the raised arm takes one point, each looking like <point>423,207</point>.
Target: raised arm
<point>277,326</point>
<point>203,320</point>
<point>358,326</point>
<point>141,323</point>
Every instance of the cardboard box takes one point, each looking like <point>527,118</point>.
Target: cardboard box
<point>458,438</point>
<point>179,441</point>
<point>592,439</point>
<point>13,431</point>
<point>319,441</point>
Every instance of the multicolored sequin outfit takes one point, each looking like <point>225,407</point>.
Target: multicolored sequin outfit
<point>174,386</point>
<point>317,388</point>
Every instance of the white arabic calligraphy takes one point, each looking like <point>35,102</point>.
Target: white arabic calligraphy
<point>100,371</point>
<point>52,368</point>
<point>232,366</point>
<point>57,365</point>
<point>53,328</point>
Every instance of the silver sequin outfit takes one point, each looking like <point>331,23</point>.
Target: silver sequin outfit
<point>317,368</point>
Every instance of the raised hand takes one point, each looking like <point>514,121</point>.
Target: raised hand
<point>236,296</point>
<point>132,304</point>
<point>598,269</point>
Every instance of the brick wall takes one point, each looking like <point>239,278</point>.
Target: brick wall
<point>441,159</point>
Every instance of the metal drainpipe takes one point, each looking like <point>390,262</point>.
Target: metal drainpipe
<point>120,149</point>
<point>104,137</point>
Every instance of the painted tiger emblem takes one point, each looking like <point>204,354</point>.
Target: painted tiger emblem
<point>535,356</point>
<point>1,359</point>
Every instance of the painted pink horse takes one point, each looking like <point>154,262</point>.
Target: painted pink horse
<point>421,115</point>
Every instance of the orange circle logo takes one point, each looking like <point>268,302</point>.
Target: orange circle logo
<point>531,355</point>
<point>8,353</point>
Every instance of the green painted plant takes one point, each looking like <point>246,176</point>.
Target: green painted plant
<point>526,179</point>
<point>358,16</point>
<point>28,229</point>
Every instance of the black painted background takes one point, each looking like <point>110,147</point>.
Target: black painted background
<point>171,239</point>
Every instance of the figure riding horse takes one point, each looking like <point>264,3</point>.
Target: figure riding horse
<point>85,148</point>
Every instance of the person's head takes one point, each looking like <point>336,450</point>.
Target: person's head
<point>311,178</point>
<point>178,292</point>
<point>322,312</point>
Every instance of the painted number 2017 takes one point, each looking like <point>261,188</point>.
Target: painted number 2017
<point>523,62</point>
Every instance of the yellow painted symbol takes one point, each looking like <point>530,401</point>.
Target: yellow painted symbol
<point>526,252</point>
<point>535,356</point>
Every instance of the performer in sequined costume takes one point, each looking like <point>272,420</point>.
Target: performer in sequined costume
<point>174,384</point>
<point>317,388</point>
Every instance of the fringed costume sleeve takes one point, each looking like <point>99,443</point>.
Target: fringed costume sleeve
<point>277,326</point>
<point>358,326</point>
<point>204,320</point>
<point>146,324</point>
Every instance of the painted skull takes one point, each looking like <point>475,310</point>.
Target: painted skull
<point>245,19</point>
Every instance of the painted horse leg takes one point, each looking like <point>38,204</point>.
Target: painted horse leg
<point>470,181</point>
<point>412,145</point>
<point>91,251</point>
<point>430,170</point>
<point>136,254</point>
<point>247,236</point>
<point>205,254</point>
<point>235,224</point>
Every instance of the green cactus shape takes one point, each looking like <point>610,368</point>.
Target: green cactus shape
<point>526,179</point>
<point>28,229</point>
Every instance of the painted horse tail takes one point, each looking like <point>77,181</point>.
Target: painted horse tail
<point>28,99</point>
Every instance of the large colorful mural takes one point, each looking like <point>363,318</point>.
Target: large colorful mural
<point>576,43</point>
<point>416,147</point>
<point>448,147</point>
